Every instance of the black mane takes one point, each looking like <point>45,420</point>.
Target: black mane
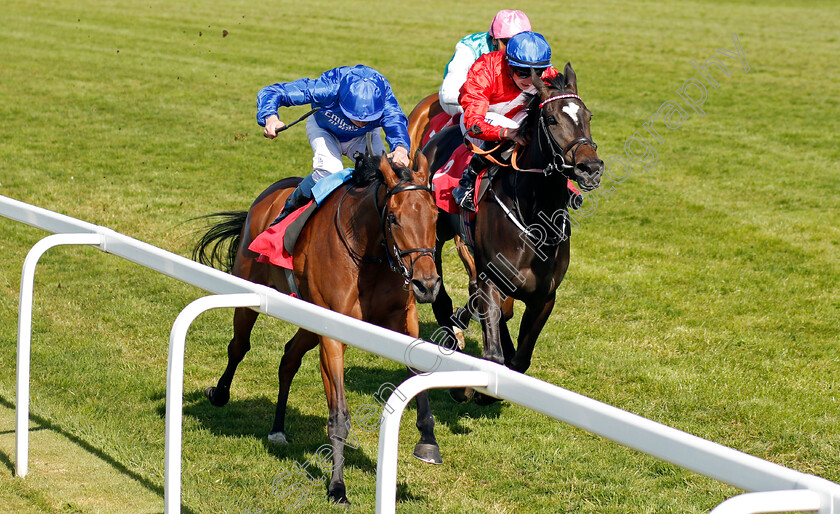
<point>367,171</point>
<point>557,82</point>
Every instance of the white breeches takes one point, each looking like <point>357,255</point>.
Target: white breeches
<point>328,149</point>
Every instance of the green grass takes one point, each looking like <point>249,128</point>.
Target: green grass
<point>702,292</point>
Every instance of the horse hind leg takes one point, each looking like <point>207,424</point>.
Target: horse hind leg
<point>243,322</point>
<point>463,314</point>
<point>298,345</point>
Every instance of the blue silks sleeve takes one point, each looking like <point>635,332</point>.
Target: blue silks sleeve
<point>320,92</point>
<point>394,122</point>
<point>327,185</point>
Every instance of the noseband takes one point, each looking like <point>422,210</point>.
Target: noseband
<point>558,162</point>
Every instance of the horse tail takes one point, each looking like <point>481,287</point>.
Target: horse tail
<point>210,249</point>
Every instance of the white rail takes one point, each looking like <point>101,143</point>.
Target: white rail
<point>175,386</point>
<point>685,450</point>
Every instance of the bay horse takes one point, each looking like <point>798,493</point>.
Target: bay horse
<point>420,119</point>
<point>343,258</point>
<point>522,227</point>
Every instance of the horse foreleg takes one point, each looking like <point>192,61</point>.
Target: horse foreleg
<point>243,322</point>
<point>338,426</point>
<point>298,345</point>
<point>504,334</point>
<point>451,323</point>
<point>488,302</point>
<point>533,321</point>
<point>427,448</point>
<point>442,305</point>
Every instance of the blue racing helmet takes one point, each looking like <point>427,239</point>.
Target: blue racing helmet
<point>528,50</point>
<point>361,94</point>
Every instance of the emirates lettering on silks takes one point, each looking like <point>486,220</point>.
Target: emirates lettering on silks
<point>339,122</point>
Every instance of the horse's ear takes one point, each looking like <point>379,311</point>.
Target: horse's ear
<point>422,165</point>
<point>539,83</point>
<point>571,78</point>
<point>391,179</point>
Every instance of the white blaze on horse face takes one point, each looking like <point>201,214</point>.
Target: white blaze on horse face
<point>572,110</point>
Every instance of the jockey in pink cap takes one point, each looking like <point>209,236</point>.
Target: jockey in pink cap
<point>506,24</point>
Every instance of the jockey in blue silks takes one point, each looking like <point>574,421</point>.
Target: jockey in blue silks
<point>353,101</point>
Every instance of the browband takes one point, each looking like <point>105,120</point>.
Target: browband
<point>560,97</point>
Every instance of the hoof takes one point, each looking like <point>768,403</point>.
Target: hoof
<point>339,496</point>
<point>459,336</point>
<point>461,394</point>
<point>277,438</point>
<point>483,399</point>
<point>217,397</point>
<point>428,453</point>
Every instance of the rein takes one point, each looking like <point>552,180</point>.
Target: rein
<point>474,148</point>
<point>557,162</point>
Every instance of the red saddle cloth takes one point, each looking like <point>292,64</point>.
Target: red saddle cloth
<point>446,179</point>
<point>436,124</point>
<point>270,245</point>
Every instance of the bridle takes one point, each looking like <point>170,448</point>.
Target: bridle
<point>393,253</point>
<point>558,162</point>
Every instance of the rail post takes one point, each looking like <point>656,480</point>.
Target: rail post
<point>175,386</point>
<point>24,337</point>
<point>389,428</point>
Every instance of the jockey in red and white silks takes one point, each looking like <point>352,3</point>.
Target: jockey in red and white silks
<point>493,96</point>
<point>496,91</point>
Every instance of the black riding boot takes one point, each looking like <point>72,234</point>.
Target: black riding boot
<point>464,194</point>
<point>296,200</point>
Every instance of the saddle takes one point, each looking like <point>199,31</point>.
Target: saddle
<point>446,178</point>
<point>276,245</point>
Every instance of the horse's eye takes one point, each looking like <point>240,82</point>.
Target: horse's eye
<point>551,120</point>
<point>392,219</point>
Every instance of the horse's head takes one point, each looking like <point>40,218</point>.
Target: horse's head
<point>409,219</point>
<point>563,126</point>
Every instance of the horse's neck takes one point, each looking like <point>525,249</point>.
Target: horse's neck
<point>533,192</point>
<point>360,223</point>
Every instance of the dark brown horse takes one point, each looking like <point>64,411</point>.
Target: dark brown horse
<point>522,227</point>
<point>343,261</point>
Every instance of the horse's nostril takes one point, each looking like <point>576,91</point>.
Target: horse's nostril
<point>426,290</point>
<point>418,286</point>
<point>591,167</point>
